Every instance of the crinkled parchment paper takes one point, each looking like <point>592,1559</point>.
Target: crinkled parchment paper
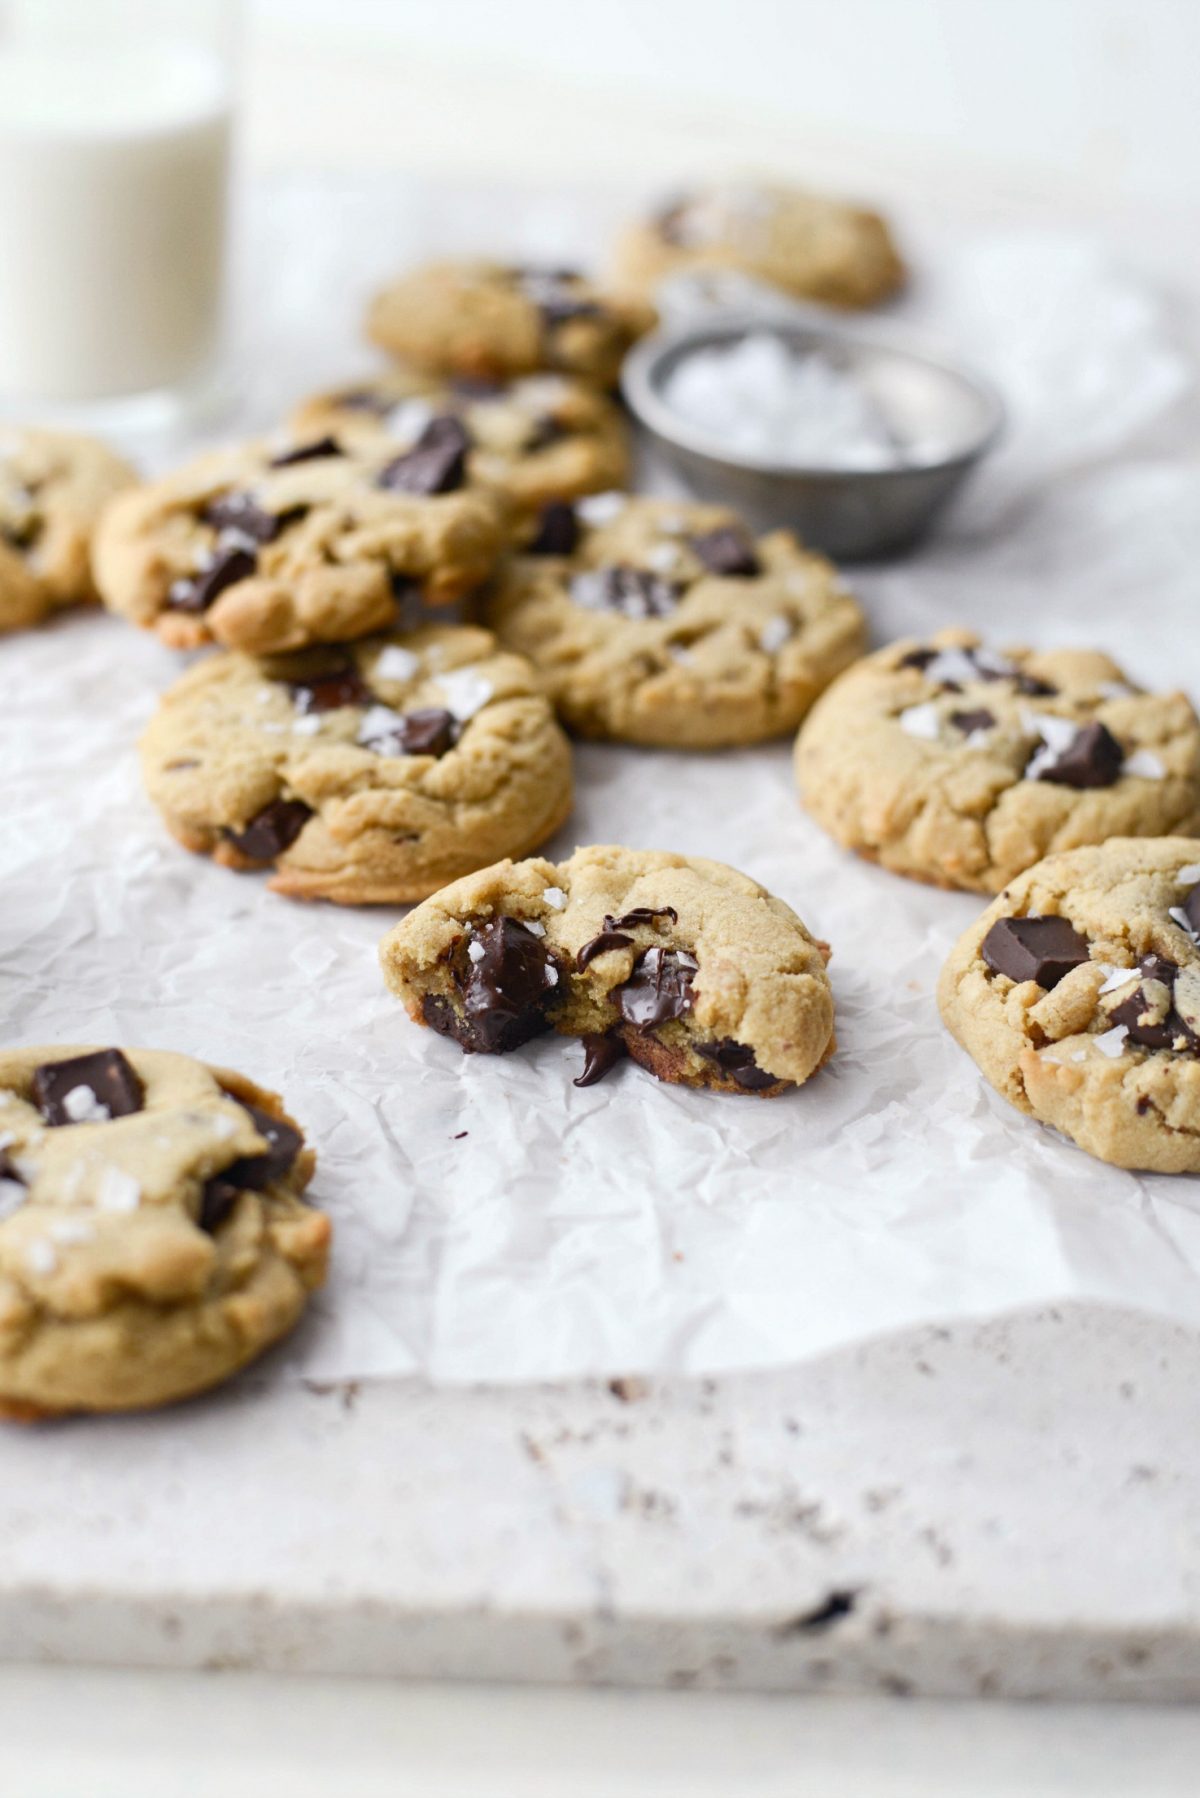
<point>491,1220</point>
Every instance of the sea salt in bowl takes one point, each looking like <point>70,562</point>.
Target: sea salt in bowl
<point>854,441</point>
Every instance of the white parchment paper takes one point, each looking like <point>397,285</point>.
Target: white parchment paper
<point>491,1220</point>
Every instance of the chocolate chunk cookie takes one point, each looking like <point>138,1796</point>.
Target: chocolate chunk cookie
<point>494,321</point>
<point>663,623</point>
<point>272,547</point>
<point>153,1237</point>
<point>1078,994</point>
<point>816,247</point>
<point>53,487</point>
<point>955,764</point>
<point>681,964</point>
<point>538,439</point>
<point>370,773</point>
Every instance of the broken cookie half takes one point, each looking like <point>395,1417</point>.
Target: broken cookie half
<point>681,964</point>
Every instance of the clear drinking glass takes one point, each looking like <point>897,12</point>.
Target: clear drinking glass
<point>116,128</point>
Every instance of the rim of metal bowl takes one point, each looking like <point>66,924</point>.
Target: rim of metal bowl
<point>644,400</point>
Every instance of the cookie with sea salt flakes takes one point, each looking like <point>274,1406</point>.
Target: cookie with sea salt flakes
<point>952,763</point>
<point>153,1233</point>
<point>53,487</point>
<point>269,549</point>
<point>540,438</point>
<point>811,244</point>
<point>368,774</point>
<point>684,965</point>
<point>664,623</point>
<point>1078,994</point>
<point>494,321</point>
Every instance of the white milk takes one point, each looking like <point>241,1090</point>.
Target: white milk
<point>113,173</point>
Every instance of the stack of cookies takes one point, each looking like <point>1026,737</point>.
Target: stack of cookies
<point>413,595</point>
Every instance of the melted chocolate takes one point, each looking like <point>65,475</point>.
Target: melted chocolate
<point>557,532</point>
<point>611,936</point>
<point>600,1055</point>
<point>506,990</point>
<point>737,1060</point>
<point>659,989</point>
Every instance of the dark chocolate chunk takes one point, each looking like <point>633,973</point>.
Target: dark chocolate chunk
<point>272,830</point>
<point>228,566</point>
<point>105,1073</point>
<point>726,551</point>
<point>737,1060</point>
<point>1041,949</point>
<point>600,1055</point>
<point>284,1142</point>
<point>22,532</point>
<point>239,512</point>
<point>309,452</point>
<point>966,722</point>
<point>507,980</point>
<point>634,592</point>
<point>555,294</point>
<point>337,686</point>
<point>10,1171</point>
<point>1093,758</point>
<point>558,530</point>
<point>250,1173</point>
<point>437,462</point>
<point>1137,1011</point>
<point>659,989</point>
<point>508,987</point>
<point>218,1197</point>
<point>543,432</point>
<point>430,731</point>
<point>1035,688</point>
<point>983,666</point>
<point>599,945</point>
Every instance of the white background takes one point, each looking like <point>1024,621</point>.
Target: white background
<point>1095,95</point>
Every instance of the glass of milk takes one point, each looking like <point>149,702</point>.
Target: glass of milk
<point>115,134</point>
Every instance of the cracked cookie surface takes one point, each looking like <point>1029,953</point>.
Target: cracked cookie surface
<point>153,1236</point>
<point>496,321</point>
<point>272,547</point>
<point>53,487</point>
<point>1078,995</point>
<point>686,966</point>
<point>367,774</point>
<point>541,438</point>
<point>814,246</point>
<point>666,624</point>
<point>954,764</point>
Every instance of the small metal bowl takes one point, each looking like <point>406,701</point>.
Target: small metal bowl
<point>853,514</point>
